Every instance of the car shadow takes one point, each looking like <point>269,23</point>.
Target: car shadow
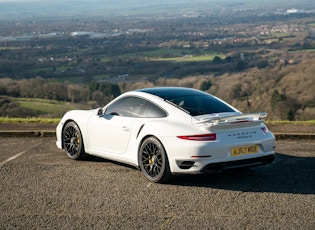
<point>288,174</point>
<point>95,159</point>
<point>90,158</point>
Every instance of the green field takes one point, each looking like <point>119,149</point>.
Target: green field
<point>47,108</point>
<point>10,48</point>
<point>165,54</point>
<point>156,53</point>
<point>191,58</point>
<point>305,50</point>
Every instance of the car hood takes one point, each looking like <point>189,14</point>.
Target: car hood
<point>79,114</point>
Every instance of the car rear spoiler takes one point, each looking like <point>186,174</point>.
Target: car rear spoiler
<point>220,119</point>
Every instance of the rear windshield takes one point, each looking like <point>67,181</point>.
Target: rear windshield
<point>194,102</point>
<point>200,104</point>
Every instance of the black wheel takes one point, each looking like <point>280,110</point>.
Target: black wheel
<point>73,142</point>
<point>153,161</point>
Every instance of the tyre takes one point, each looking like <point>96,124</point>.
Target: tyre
<point>73,142</point>
<point>153,161</point>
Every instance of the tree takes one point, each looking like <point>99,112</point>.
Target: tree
<point>228,59</point>
<point>98,97</point>
<point>284,107</point>
<point>77,93</point>
<point>275,98</point>
<point>236,92</point>
<point>217,60</point>
<point>240,66</point>
<point>106,88</point>
<point>205,85</point>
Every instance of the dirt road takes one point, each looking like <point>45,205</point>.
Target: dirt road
<point>40,188</point>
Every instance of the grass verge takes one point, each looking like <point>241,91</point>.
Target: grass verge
<point>30,120</point>
<point>309,122</point>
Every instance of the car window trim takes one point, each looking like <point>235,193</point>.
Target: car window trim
<point>177,106</point>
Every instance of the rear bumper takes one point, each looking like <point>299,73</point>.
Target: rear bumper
<point>221,166</point>
<point>193,157</point>
<point>205,166</point>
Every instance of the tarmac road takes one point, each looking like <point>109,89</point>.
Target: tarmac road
<point>40,188</point>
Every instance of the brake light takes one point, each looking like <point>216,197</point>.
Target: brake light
<point>236,122</point>
<point>201,137</point>
<point>265,130</point>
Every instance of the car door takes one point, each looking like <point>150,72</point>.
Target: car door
<point>110,132</point>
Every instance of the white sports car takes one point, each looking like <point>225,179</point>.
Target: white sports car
<point>167,131</point>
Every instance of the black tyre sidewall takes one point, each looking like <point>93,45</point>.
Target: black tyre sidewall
<point>165,171</point>
<point>80,153</point>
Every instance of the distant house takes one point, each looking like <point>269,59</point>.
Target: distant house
<point>287,62</point>
<point>292,11</point>
<point>292,62</point>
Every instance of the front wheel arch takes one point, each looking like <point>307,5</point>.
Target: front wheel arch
<point>62,132</point>
<point>72,134</point>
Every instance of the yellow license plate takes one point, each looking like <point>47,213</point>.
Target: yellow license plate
<point>238,151</point>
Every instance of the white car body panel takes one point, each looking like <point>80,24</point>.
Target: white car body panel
<point>119,138</point>
<point>117,129</point>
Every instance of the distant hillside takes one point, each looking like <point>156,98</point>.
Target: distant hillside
<point>285,92</point>
<point>71,8</point>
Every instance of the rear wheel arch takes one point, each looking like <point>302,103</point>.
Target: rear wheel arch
<point>153,160</point>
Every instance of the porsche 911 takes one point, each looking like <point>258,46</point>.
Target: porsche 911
<point>167,131</point>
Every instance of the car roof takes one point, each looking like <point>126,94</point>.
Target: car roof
<point>172,92</point>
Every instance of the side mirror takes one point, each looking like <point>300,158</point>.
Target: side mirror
<point>99,111</point>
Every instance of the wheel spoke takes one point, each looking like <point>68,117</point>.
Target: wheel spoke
<point>152,159</point>
<point>71,140</point>
<point>157,169</point>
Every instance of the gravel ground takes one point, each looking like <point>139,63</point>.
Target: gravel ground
<point>40,188</point>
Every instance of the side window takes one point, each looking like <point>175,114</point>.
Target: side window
<point>153,111</point>
<point>127,106</point>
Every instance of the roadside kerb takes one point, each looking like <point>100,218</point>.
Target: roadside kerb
<point>23,133</point>
<point>295,136</point>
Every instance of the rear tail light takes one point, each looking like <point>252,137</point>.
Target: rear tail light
<point>201,137</point>
<point>265,130</point>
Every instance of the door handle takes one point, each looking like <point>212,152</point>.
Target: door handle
<point>125,128</point>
